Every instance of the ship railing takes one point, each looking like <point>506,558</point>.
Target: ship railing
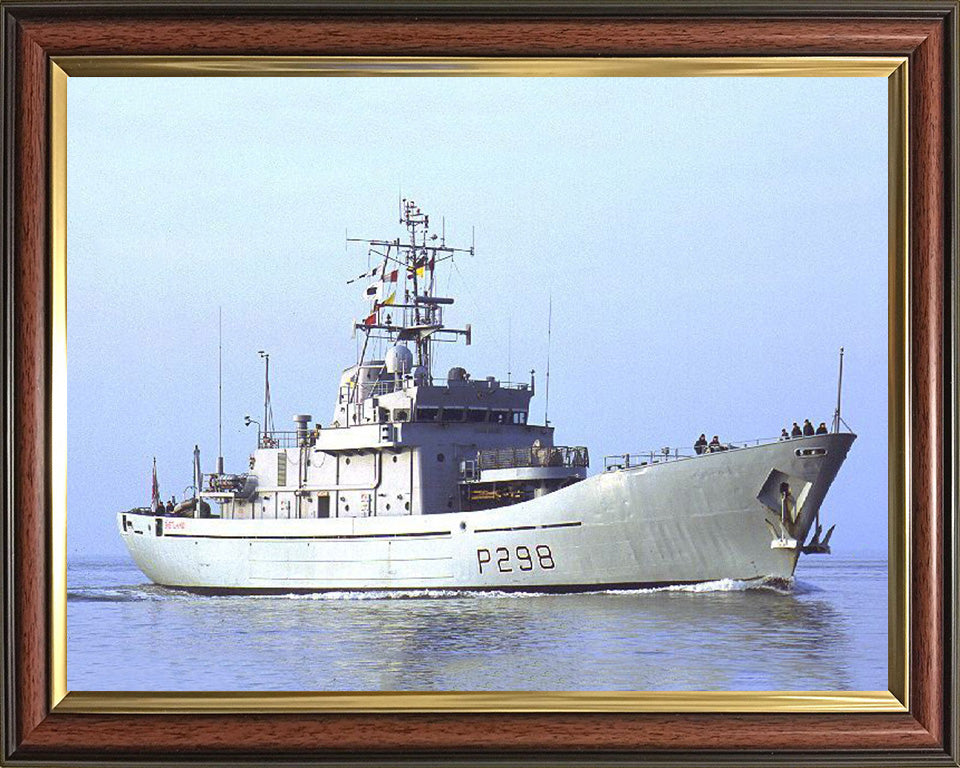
<point>553,456</point>
<point>386,386</point>
<point>434,381</point>
<point>514,385</point>
<point>660,455</point>
<point>285,439</point>
<point>370,389</point>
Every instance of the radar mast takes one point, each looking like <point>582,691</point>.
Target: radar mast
<point>404,306</point>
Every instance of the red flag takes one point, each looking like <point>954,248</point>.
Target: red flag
<point>391,277</point>
<point>371,319</point>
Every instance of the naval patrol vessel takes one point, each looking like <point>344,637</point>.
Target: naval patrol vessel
<point>426,483</point>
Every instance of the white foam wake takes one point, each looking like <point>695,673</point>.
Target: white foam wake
<point>720,585</point>
<point>132,593</point>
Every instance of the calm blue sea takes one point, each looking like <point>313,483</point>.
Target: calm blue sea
<point>825,631</point>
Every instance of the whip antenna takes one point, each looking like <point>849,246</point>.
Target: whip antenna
<point>509,347</point>
<point>836,415</point>
<point>220,393</point>
<point>546,406</point>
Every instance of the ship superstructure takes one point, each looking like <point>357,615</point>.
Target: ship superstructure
<point>426,482</point>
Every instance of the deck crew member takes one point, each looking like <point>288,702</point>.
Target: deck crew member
<point>701,444</point>
<point>796,431</point>
<point>807,427</point>
<point>784,435</point>
<point>822,429</point>
<point>714,444</point>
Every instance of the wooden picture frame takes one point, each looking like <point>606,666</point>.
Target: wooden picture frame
<point>39,729</point>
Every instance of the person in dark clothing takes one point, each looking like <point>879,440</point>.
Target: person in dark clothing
<point>822,429</point>
<point>784,435</point>
<point>714,444</point>
<point>796,431</point>
<point>701,444</point>
<point>807,427</point>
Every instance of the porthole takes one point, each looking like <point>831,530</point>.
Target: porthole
<point>347,460</point>
<point>394,459</point>
<point>388,506</point>
<point>440,457</point>
<point>463,526</point>
<point>406,505</point>
<point>346,507</point>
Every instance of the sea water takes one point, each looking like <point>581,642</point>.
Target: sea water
<point>824,630</point>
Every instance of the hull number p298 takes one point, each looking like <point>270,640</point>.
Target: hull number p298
<point>503,559</point>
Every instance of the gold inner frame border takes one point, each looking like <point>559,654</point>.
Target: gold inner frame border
<point>895,69</point>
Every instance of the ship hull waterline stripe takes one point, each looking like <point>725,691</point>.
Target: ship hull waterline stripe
<point>357,537</point>
<point>360,536</point>
<point>515,589</point>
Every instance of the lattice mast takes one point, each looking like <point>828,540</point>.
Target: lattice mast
<point>404,305</point>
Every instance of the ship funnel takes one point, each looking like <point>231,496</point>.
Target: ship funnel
<point>302,420</point>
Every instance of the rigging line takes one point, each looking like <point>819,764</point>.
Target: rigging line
<point>466,288</point>
<point>388,257</point>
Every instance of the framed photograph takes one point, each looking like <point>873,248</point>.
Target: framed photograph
<point>256,508</point>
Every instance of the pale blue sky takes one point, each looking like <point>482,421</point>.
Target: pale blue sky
<point>709,244</point>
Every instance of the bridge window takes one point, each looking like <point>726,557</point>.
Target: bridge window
<point>476,415</point>
<point>500,417</point>
<point>427,414</point>
<point>401,414</point>
<point>519,417</point>
<point>453,414</point>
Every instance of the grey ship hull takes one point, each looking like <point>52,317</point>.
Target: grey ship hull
<point>710,517</point>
